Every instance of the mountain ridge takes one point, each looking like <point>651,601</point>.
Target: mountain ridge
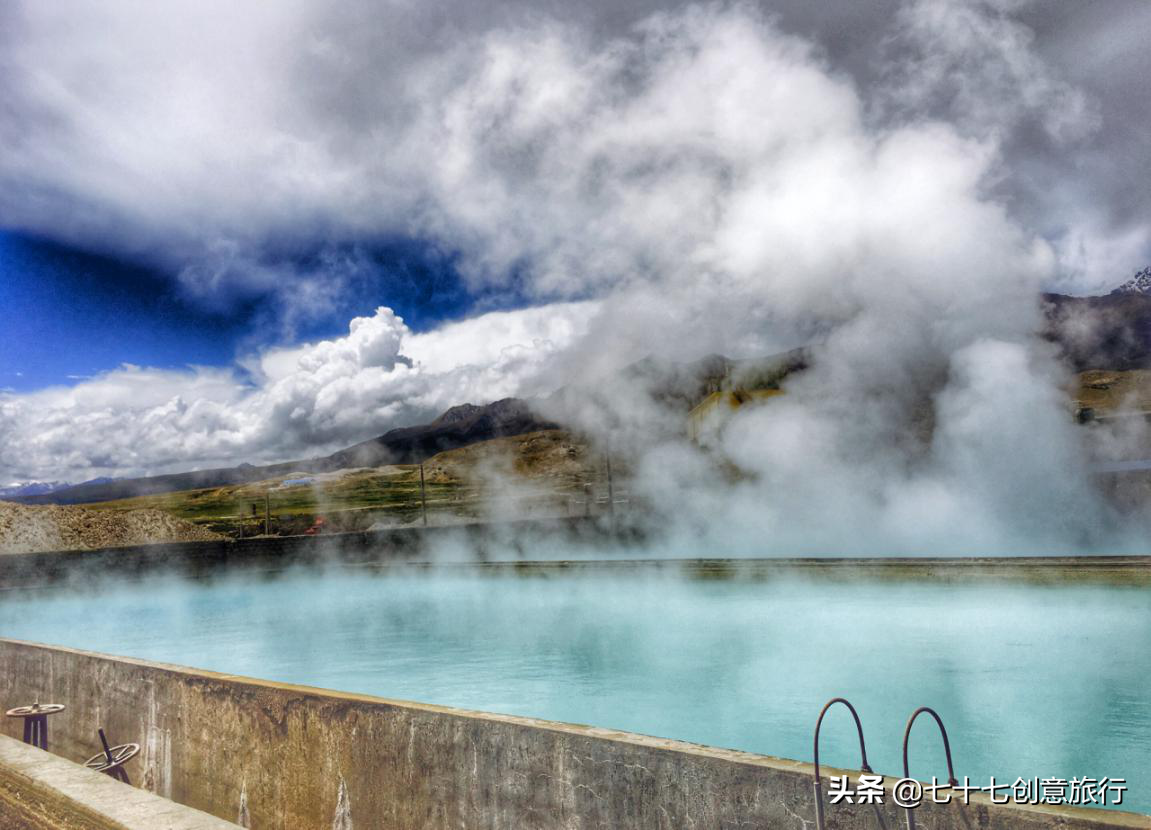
<point>1138,284</point>
<point>458,426</point>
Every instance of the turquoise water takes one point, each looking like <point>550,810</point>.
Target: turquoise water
<point>1048,681</point>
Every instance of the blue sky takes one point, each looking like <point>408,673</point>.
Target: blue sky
<point>70,314</point>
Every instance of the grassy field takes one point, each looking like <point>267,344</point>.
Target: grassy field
<point>388,494</point>
<point>534,474</point>
<point>1107,392</point>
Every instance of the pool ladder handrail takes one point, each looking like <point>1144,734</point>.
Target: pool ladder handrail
<point>864,766</point>
<point>952,781</point>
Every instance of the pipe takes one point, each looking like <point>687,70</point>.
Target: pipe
<point>862,752</point>
<point>951,780</point>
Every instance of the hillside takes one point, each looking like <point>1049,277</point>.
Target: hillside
<point>1108,332</point>
<point>540,472</point>
<point>28,529</point>
<point>457,427</point>
<point>676,386</point>
<point>1111,332</point>
<point>1106,392</point>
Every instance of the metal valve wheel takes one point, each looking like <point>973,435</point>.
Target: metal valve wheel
<point>111,761</point>
<point>117,756</point>
<point>36,721</point>
<point>35,709</point>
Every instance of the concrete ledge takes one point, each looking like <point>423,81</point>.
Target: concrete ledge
<point>209,559</point>
<point>297,758</point>
<point>509,545</point>
<point>39,791</point>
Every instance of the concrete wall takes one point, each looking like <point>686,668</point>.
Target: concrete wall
<point>268,755</point>
<point>41,791</point>
<point>206,559</point>
<point>515,544</point>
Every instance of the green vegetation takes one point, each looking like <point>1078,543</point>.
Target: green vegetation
<point>351,501</point>
<point>539,473</point>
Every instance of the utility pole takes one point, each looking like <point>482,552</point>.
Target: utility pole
<point>423,494</point>
<point>610,491</point>
<point>610,488</point>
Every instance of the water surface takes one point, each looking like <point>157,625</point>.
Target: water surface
<point>1048,681</point>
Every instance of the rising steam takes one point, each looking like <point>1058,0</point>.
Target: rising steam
<point>710,182</point>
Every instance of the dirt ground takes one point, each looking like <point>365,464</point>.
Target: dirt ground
<point>28,529</point>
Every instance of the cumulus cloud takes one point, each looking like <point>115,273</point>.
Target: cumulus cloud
<point>289,403</point>
<point>217,140</point>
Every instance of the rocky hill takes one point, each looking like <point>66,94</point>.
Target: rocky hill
<point>458,427</point>
<point>1138,284</point>
<point>28,529</point>
<point>1108,332</point>
<point>676,386</point>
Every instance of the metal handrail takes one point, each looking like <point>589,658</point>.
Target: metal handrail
<point>951,779</point>
<point>862,752</point>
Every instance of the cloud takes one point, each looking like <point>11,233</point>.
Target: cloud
<point>699,181</point>
<point>972,62</point>
<point>720,183</point>
<point>219,141</point>
<point>723,187</point>
<point>289,403</point>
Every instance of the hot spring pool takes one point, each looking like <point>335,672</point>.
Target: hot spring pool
<point>1031,680</point>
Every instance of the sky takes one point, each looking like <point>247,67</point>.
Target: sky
<point>250,232</point>
<point>74,313</point>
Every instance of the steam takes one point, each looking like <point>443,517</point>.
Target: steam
<point>713,183</point>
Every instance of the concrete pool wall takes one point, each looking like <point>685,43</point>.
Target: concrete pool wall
<point>41,791</point>
<point>481,541</point>
<point>270,755</point>
<point>517,544</point>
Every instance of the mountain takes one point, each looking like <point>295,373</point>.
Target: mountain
<point>32,488</point>
<point>1138,284</point>
<point>1108,332</point>
<point>1102,332</point>
<point>457,427</point>
<point>678,386</point>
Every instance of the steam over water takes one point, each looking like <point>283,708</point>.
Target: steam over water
<point>1031,680</point>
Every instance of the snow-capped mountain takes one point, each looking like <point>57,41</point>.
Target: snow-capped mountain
<point>32,488</point>
<point>1138,284</point>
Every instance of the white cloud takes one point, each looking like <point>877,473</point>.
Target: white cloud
<point>207,136</point>
<point>302,401</point>
<point>972,62</point>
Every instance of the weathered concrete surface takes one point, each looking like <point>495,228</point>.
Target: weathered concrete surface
<point>1127,571</point>
<point>516,544</point>
<point>295,758</point>
<point>40,791</point>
